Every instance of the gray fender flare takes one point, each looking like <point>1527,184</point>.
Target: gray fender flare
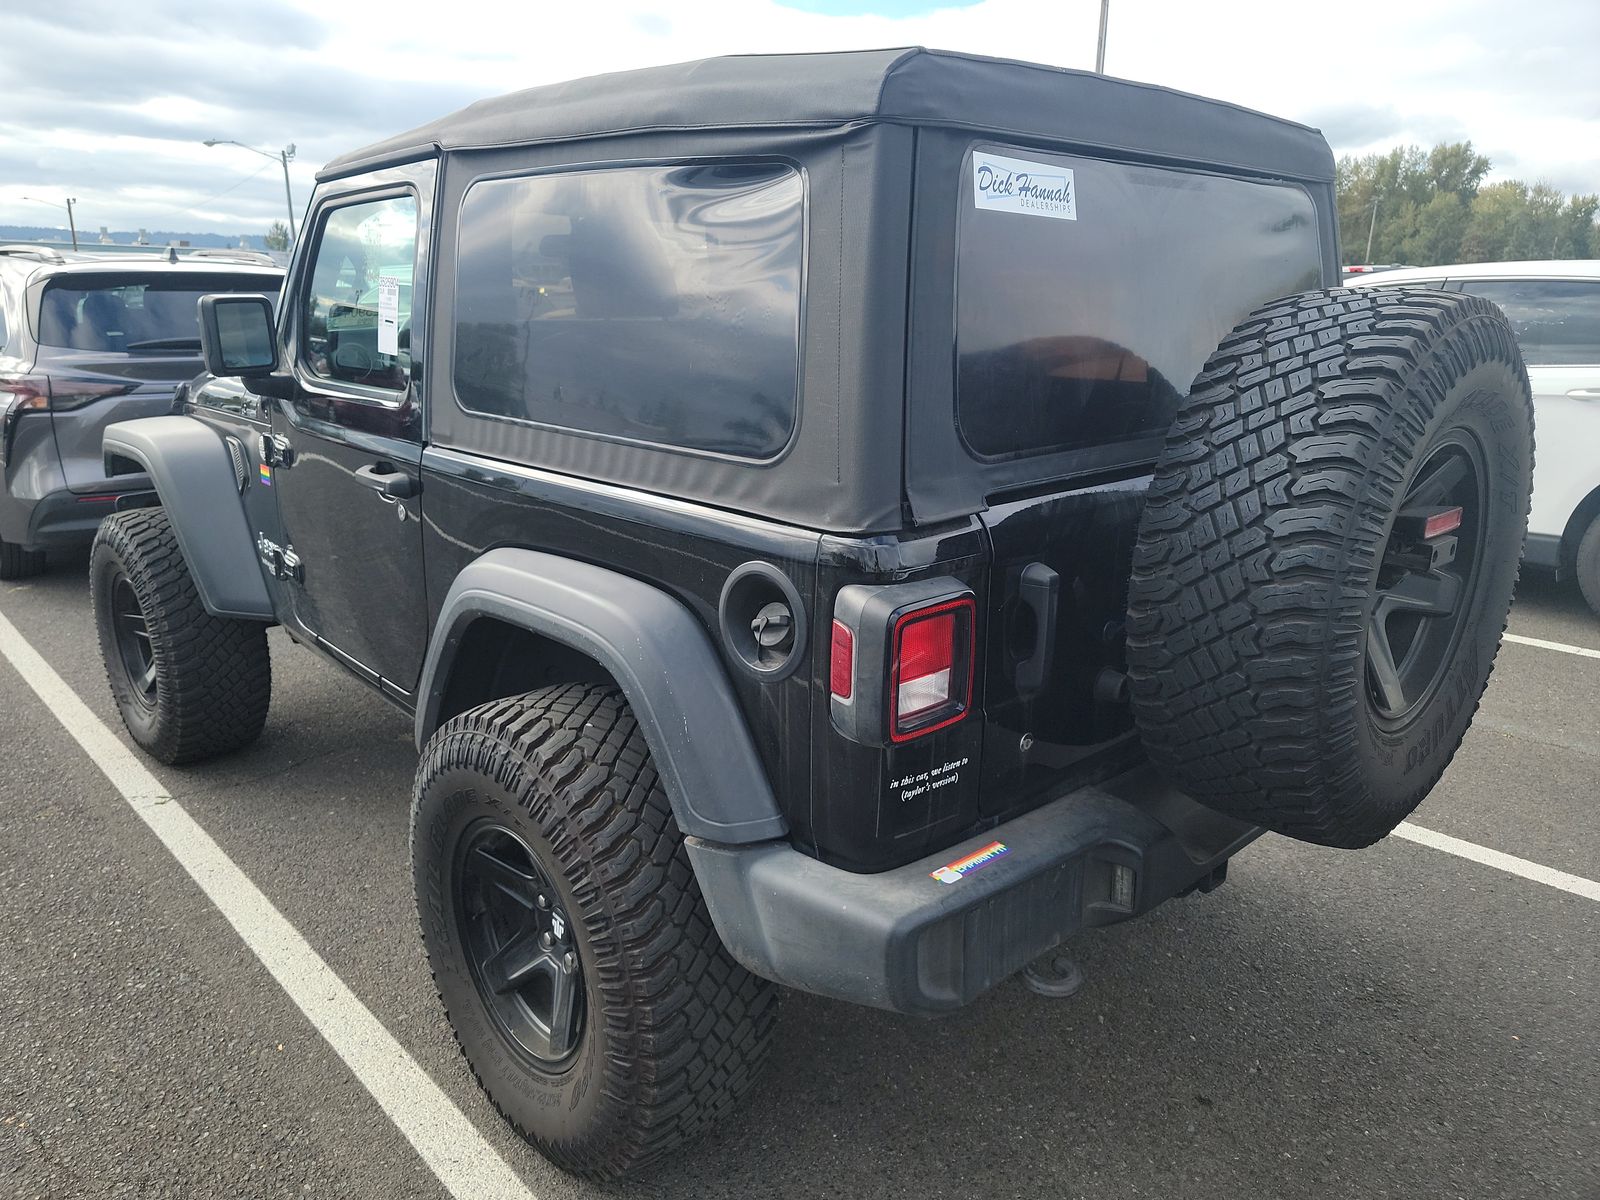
<point>194,477</point>
<point>658,653</point>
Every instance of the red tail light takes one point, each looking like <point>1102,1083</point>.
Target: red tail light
<point>842,666</point>
<point>24,393</point>
<point>930,679</point>
<point>19,393</point>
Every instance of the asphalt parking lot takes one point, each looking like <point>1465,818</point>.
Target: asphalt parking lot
<point>1398,1022</point>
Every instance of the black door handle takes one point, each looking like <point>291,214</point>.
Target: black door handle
<point>388,482</point>
<point>1040,589</point>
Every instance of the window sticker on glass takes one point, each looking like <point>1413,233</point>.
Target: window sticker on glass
<point>1015,185</point>
<point>388,315</point>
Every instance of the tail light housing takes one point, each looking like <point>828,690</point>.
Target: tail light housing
<point>903,660</point>
<point>21,394</point>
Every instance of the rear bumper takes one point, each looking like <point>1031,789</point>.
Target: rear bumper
<point>902,940</point>
<point>64,519</point>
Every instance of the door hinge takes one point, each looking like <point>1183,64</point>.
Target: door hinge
<point>276,451</point>
<point>282,561</point>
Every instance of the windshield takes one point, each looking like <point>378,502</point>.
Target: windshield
<point>118,313</point>
<point>1089,293</point>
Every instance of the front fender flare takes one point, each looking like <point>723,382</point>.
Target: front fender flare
<point>194,477</point>
<point>660,656</point>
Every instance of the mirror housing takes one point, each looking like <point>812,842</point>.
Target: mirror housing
<point>238,335</point>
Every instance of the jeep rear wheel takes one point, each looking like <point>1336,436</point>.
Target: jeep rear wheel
<point>189,685</point>
<point>17,563</point>
<point>568,939</point>
<point>1327,557</point>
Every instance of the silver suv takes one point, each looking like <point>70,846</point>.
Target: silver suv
<point>87,339</point>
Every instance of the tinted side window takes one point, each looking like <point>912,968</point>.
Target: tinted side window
<point>1557,321</point>
<point>356,320</point>
<point>1086,329</point>
<point>656,304</point>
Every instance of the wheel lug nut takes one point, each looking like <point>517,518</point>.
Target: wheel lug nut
<point>542,900</point>
<point>547,939</point>
<point>570,961</point>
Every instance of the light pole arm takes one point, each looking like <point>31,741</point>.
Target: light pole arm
<point>283,156</point>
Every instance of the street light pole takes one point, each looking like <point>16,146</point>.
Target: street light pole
<point>1100,52</point>
<point>72,224</point>
<point>1372,228</point>
<point>284,157</point>
<point>288,197</point>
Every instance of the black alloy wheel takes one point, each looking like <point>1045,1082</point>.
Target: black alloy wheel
<point>1427,586</point>
<point>132,634</point>
<point>519,945</point>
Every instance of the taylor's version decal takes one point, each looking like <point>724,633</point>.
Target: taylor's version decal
<point>1016,185</point>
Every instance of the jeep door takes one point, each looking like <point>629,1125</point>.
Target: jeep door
<point>346,445</point>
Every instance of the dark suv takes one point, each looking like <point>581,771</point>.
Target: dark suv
<point>845,521</point>
<point>87,339</point>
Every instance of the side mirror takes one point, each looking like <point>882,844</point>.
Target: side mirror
<point>238,338</point>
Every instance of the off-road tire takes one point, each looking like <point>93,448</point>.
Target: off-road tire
<point>213,675</point>
<point>18,563</point>
<point>1258,556</point>
<point>678,1030</point>
<point>1586,565</point>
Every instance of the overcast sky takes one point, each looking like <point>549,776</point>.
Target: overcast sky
<point>108,101</point>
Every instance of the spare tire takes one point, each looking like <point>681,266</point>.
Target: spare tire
<point>1311,620</point>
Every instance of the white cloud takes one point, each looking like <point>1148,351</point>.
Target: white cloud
<point>1517,80</point>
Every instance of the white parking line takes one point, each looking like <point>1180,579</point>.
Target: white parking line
<point>1580,651</point>
<point>467,1165</point>
<point>1510,863</point>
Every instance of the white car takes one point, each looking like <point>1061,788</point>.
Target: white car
<point>1555,309</point>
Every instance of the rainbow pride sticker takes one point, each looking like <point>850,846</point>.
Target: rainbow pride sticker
<point>266,475</point>
<point>956,871</point>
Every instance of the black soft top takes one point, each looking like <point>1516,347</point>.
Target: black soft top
<point>910,86</point>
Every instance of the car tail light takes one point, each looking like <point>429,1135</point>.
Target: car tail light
<point>25,393</point>
<point>68,394</point>
<point>842,663</point>
<point>931,671</point>
<point>902,660</point>
<point>19,394</point>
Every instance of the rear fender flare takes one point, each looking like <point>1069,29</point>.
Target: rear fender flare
<point>189,466</point>
<point>661,658</point>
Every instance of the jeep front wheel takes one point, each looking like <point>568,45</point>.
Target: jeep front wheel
<point>577,963</point>
<point>1327,556</point>
<point>189,685</point>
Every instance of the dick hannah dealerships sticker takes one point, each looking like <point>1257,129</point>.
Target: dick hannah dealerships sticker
<point>1015,185</point>
<point>954,872</point>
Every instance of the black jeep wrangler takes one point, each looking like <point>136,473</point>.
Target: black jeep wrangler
<point>845,521</point>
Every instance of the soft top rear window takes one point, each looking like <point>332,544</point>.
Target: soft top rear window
<point>1090,293</point>
<point>119,312</point>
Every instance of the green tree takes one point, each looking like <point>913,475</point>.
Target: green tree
<point>1432,207</point>
<point>1437,230</point>
<point>277,237</point>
